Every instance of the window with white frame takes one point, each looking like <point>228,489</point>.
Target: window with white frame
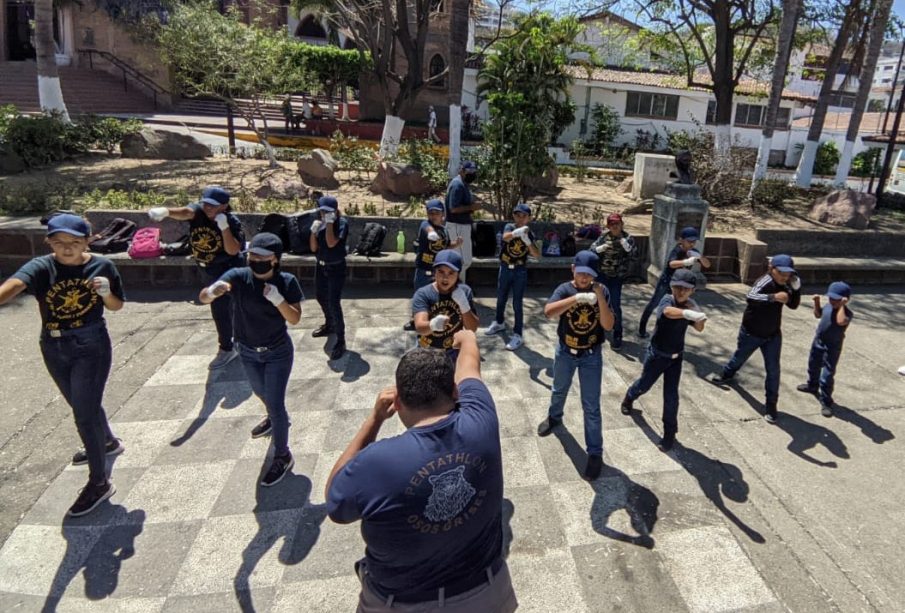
<point>755,116</point>
<point>644,104</point>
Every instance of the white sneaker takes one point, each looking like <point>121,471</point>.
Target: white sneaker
<point>902,371</point>
<point>515,342</point>
<point>223,358</point>
<point>494,328</point>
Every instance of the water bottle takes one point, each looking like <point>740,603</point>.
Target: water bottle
<point>400,242</point>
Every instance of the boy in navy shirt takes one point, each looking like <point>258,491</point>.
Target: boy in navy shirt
<point>265,300</point>
<point>518,244</point>
<point>683,255</point>
<point>827,346</point>
<point>584,315</point>
<point>430,500</point>
<point>216,238</point>
<point>664,354</point>
<point>445,306</point>
<point>328,244</point>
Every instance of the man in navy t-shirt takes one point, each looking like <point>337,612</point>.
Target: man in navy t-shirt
<point>460,205</point>
<point>429,500</point>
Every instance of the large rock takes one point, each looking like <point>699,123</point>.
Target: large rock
<point>163,145</point>
<point>282,187</point>
<point>400,180</point>
<point>319,169</point>
<point>844,207</point>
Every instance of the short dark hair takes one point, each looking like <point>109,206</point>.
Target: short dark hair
<point>425,379</point>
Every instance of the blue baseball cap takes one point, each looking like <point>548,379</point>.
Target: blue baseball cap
<point>449,258</point>
<point>469,167</point>
<point>839,290</point>
<point>521,207</point>
<point>586,262</point>
<point>68,224</point>
<point>434,205</point>
<point>215,196</point>
<point>327,203</point>
<point>683,278</point>
<point>690,234</point>
<point>783,263</point>
<point>265,244</point>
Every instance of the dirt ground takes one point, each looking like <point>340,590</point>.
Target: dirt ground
<point>584,202</point>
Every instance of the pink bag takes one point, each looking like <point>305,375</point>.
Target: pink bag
<point>146,244</point>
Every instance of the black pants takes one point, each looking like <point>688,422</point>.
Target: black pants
<point>222,312</point>
<point>79,364</point>
<point>329,280</point>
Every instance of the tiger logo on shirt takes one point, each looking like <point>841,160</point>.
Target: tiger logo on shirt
<point>450,495</point>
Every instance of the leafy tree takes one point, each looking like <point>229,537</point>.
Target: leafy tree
<point>330,66</point>
<point>50,95</point>
<point>607,128</point>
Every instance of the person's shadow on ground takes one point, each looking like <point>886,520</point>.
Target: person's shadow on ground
<point>508,512</point>
<point>352,366</point>
<point>613,491</point>
<point>869,428</point>
<point>537,364</point>
<point>216,392</point>
<point>103,562</point>
<point>299,533</point>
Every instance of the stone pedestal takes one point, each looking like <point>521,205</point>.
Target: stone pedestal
<point>678,207</point>
<point>651,174</point>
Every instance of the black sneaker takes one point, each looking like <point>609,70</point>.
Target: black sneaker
<point>807,389</point>
<point>280,466</point>
<point>90,497</point>
<point>547,426</point>
<point>593,468</point>
<point>667,442</point>
<point>770,414</point>
<point>324,330</point>
<point>826,409</point>
<point>721,379</point>
<point>338,350</point>
<point>262,429</point>
<point>409,327</point>
<point>642,334</point>
<point>616,345</point>
<point>114,447</point>
<point>626,406</point>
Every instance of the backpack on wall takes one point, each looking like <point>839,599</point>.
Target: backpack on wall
<point>371,239</point>
<point>146,244</point>
<point>114,238</point>
<point>276,223</point>
<point>568,247</point>
<point>298,230</point>
<point>551,244</point>
<point>181,246</point>
<point>483,241</point>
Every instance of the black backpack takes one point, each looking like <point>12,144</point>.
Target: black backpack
<point>371,239</point>
<point>483,241</point>
<point>114,238</point>
<point>276,223</point>
<point>298,229</point>
<point>568,247</point>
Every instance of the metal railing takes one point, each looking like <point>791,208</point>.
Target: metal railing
<point>128,72</point>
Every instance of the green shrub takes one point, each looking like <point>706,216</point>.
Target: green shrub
<point>827,158</point>
<point>126,199</point>
<point>36,197</point>
<point>771,193</point>
<point>105,132</point>
<point>351,154</point>
<point>422,154</point>
<point>866,163</point>
<point>607,128</point>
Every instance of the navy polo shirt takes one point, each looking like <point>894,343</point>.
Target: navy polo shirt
<point>828,331</point>
<point>429,300</point>
<point>515,252</point>
<point>458,194</point>
<point>579,327</point>
<point>677,253</point>
<point>206,241</point>
<point>336,253</point>
<point>256,322</point>
<point>669,335</point>
<point>427,249</point>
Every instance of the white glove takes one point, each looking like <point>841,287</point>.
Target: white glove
<point>329,217</point>
<point>694,253</point>
<point>222,221</point>
<point>520,232</point>
<point>689,262</point>
<point>273,295</point>
<point>461,299</point>
<point>433,236</point>
<point>159,213</point>
<point>101,286</point>
<point>316,225</point>
<point>586,298</point>
<point>795,283</point>
<point>625,244</point>
<point>218,288</point>
<point>691,315</point>
<point>438,323</point>
<point>604,246</point>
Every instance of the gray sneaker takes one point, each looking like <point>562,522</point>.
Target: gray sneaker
<point>223,358</point>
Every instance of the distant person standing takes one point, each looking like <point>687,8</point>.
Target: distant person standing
<point>432,125</point>
<point>459,208</point>
<point>616,249</point>
<point>328,243</point>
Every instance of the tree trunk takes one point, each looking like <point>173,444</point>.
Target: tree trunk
<point>392,136</point>
<point>455,139</point>
<point>880,19</point>
<point>50,95</point>
<point>805,169</point>
<point>458,41</point>
<point>787,26</point>
<point>723,82</point>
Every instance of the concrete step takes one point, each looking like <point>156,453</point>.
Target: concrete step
<point>855,271</point>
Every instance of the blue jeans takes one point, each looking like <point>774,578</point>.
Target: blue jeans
<point>660,290</point>
<point>770,348</point>
<point>657,363</point>
<point>822,368</point>
<point>268,374</point>
<point>614,287</point>
<point>79,364</point>
<point>329,280</point>
<point>590,374</point>
<point>422,279</point>
<point>514,280</point>
<point>222,312</point>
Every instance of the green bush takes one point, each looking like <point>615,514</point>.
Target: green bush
<point>771,193</point>
<point>607,128</point>
<point>351,154</point>
<point>866,163</point>
<point>423,155</point>
<point>37,197</point>
<point>105,132</point>
<point>827,158</point>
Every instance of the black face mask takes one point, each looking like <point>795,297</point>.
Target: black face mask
<point>261,267</point>
<point>469,178</point>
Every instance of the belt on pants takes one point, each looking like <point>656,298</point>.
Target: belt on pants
<point>265,348</point>
<point>579,353</point>
<point>71,331</point>
<point>451,590</point>
<point>663,354</point>
<point>325,263</point>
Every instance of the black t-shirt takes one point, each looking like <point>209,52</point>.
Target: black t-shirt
<point>428,249</point>
<point>206,241</point>
<point>336,253</point>
<point>579,327</point>
<point>669,336</point>
<point>64,293</point>
<point>257,323</point>
<point>677,253</point>
<point>514,252</point>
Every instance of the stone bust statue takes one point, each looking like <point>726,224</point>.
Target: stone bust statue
<point>683,166</point>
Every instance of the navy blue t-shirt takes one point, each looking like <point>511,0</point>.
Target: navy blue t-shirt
<point>336,253</point>
<point>429,300</point>
<point>429,500</point>
<point>458,194</point>
<point>677,253</point>
<point>579,327</point>
<point>515,252</point>
<point>428,249</point>
<point>64,293</point>
<point>206,241</point>
<point>828,331</point>
<point>669,335</point>
<point>256,322</point>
